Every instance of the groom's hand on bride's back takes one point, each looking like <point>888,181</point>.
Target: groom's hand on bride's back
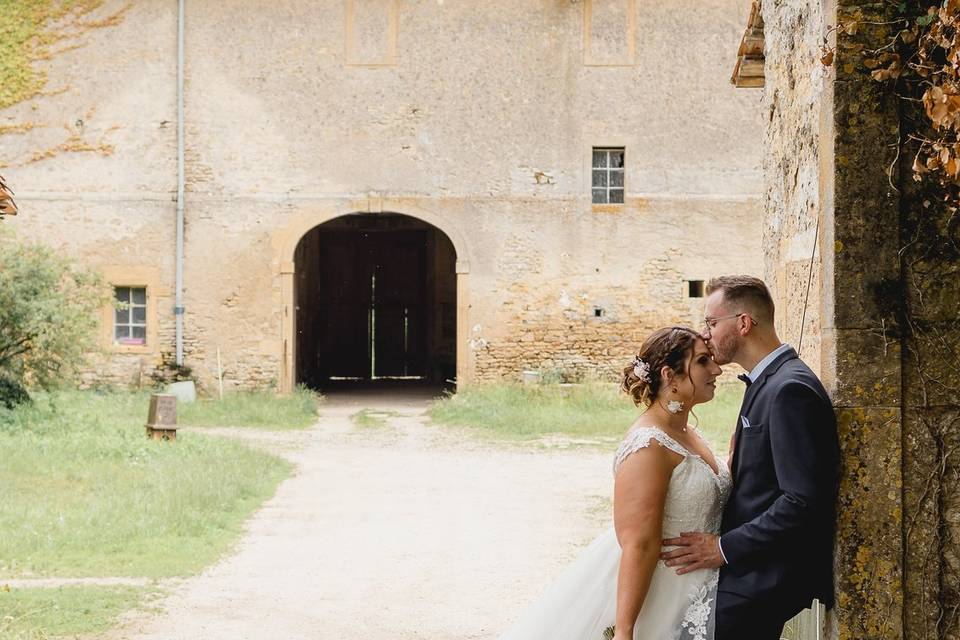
<point>693,551</point>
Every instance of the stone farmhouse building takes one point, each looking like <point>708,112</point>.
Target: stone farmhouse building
<point>433,189</point>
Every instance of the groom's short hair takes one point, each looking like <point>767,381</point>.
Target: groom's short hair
<point>745,291</point>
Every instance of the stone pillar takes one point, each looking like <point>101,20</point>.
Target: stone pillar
<point>862,329</point>
<point>889,310</point>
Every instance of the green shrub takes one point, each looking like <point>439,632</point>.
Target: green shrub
<point>47,317</point>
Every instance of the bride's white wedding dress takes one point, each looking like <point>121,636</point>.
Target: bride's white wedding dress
<point>581,604</point>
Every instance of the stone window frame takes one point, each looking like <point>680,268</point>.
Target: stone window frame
<point>147,278</point>
<point>131,305</point>
<point>607,172</point>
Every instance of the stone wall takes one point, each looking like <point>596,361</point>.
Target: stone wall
<point>546,303</point>
<point>477,117</point>
<point>791,107</point>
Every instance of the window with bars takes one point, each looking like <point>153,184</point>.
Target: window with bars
<point>607,184</point>
<point>130,315</point>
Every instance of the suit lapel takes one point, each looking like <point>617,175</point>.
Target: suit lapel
<point>751,394</point>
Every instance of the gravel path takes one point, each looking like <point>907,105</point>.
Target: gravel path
<point>397,532</point>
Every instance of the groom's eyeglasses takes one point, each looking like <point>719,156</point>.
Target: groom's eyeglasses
<point>710,323</point>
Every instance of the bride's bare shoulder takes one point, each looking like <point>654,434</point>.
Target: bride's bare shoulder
<point>645,441</point>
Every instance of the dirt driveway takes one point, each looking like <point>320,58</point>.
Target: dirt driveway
<point>397,532</point>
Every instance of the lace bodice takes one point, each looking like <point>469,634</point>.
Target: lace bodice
<point>696,495</point>
<point>695,500</point>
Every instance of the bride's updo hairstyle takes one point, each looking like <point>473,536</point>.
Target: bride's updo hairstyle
<point>669,347</point>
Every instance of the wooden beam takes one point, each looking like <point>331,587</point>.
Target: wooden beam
<point>750,83</point>
<point>751,68</point>
<point>748,71</point>
<point>752,44</point>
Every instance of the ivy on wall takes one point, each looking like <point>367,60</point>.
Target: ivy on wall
<point>34,31</point>
<point>31,31</point>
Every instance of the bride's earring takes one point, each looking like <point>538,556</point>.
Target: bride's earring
<point>674,406</point>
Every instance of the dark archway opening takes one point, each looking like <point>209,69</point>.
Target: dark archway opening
<point>376,303</point>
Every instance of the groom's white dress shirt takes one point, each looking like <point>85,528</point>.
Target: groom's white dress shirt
<point>753,375</point>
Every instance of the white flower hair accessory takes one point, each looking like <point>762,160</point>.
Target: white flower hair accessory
<point>641,369</point>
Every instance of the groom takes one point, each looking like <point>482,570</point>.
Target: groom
<point>775,551</point>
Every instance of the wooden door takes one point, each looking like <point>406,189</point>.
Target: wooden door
<point>399,297</point>
<point>344,312</point>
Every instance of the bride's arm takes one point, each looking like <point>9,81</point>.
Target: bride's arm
<point>639,495</point>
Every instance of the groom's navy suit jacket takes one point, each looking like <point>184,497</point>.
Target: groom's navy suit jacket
<point>778,524</point>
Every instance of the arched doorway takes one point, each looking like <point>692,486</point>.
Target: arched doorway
<point>375,301</point>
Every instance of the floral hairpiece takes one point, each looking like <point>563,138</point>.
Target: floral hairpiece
<point>641,369</point>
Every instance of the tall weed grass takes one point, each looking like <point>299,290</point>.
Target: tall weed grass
<point>589,411</point>
<point>263,409</point>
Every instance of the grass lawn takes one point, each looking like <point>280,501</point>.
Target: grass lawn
<point>589,411</point>
<point>37,614</point>
<point>85,494</point>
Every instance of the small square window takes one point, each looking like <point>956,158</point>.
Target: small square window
<point>130,316</point>
<point>607,181</point>
<point>694,288</point>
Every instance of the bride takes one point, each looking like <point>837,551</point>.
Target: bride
<point>666,481</point>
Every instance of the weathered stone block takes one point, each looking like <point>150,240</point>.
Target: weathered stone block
<point>867,368</point>
<point>861,25</point>
<point>931,374</point>
<point>866,208</point>
<point>869,548</point>
<point>931,527</point>
<point>933,292</point>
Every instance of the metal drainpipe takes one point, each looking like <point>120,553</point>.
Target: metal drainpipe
<point>178,304</point>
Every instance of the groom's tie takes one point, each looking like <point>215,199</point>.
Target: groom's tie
<point>733,442</point>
